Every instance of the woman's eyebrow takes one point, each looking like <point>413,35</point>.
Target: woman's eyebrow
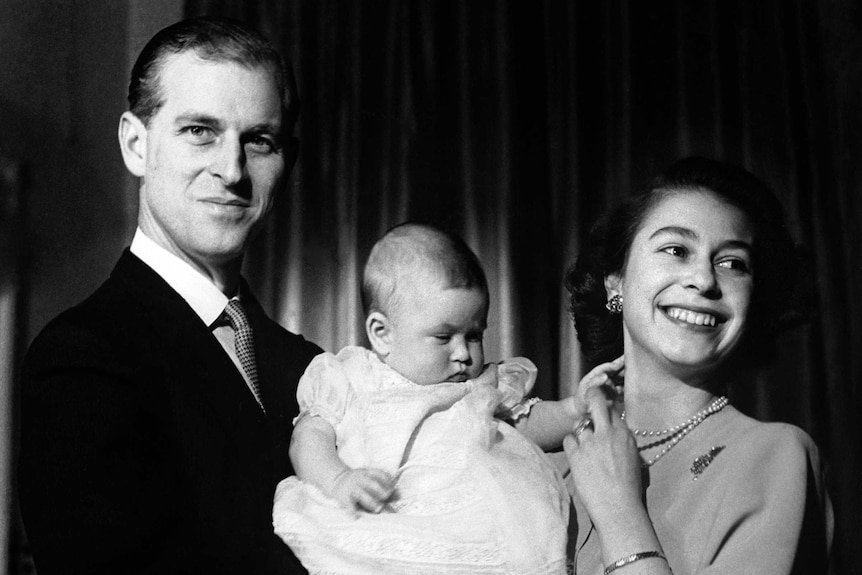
<point>691,234</point>
<point>675,230</point>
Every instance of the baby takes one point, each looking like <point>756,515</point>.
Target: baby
<point>403,462</point>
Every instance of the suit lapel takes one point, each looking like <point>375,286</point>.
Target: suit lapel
<point>206,373</point>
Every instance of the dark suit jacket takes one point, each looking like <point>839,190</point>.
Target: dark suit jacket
<point>142,449</point>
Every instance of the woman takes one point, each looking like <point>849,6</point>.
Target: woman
<point>691,280</point>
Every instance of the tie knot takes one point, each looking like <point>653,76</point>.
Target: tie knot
<point>236,315</point>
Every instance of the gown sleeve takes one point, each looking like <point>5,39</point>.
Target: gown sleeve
<point>515,380</point>
<point>324,390</point>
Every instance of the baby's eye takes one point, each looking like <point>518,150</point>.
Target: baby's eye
<point>443,337</point>
<point>475,337</point>
<point>677,251</point>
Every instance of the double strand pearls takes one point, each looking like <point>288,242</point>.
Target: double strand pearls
<point>673,435</point>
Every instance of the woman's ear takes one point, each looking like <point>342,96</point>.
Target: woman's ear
<point>379,331</point>
<point>613,285</point>
<point>133,143</point>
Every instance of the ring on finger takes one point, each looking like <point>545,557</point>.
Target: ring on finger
<point>586,423</point>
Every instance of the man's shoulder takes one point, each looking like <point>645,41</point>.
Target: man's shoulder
<point>116,313</point>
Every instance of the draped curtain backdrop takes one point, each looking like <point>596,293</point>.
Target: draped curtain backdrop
<point>517,123</point>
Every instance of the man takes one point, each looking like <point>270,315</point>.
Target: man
<point>155,422</point>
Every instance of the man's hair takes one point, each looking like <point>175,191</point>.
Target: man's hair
<point>212,39</point>
<point>412,253</point>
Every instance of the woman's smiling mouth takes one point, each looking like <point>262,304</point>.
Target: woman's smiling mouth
<point>691,317</point>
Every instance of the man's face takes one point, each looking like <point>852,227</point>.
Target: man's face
<point>214,158</point>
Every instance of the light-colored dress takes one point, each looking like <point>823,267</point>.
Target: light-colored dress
<point>734,496</point>
<point>473,495</point>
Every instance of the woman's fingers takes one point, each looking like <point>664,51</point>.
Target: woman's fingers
<point>604,376</point>
<point>604,372</point>
<point>598,407</point>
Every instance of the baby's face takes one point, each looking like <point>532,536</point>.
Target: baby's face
<point>437,335</point>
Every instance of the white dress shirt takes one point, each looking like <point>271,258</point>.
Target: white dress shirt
<point>202,295</point>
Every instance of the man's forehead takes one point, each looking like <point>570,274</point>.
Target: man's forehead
<point>179,65</point>
<point>190,85</point>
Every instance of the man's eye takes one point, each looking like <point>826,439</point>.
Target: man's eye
<point>262,145</point>
<point>198,133</point>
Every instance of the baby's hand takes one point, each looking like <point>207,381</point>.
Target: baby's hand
<point>363,489</point>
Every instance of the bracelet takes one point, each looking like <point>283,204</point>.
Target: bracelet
<point>631,559</point>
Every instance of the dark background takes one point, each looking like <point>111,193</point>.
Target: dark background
<point>515,123</point>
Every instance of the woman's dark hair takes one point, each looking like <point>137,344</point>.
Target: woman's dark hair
<point>776,302</point>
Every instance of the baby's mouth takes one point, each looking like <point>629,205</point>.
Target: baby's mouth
<point>691,317</point>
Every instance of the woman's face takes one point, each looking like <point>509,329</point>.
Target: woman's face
<point>687,283</point>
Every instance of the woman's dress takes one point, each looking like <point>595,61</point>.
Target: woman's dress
<point>472,496</point>
<point>735,496</point>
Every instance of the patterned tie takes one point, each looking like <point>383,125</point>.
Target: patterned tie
<point>244,343</point>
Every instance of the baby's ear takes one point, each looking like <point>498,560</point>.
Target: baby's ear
<point>379,331</point>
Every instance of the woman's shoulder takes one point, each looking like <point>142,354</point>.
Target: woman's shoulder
<point>770,441</point>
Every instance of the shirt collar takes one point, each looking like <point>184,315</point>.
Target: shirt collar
<point>207,301</point>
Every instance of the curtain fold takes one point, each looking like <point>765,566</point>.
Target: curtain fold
<point>517,123</point>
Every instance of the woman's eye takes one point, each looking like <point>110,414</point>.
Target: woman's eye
<point>734,264</point>
<point>677,251</point>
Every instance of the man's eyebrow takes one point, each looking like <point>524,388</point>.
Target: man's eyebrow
<point>197,118</point>
<point>265,128</point>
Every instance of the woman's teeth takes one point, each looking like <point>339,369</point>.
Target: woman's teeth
<point>691,317</point>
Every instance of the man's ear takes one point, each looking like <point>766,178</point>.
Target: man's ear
<point>379,331</point>
<point>133,143</point>
<point>613,285</point>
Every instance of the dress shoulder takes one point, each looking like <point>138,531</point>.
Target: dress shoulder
<point>772,513</point>
<point>331,381</point>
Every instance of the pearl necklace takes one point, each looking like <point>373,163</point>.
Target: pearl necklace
<point>674,435</point>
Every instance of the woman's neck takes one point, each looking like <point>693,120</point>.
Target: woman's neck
<point>656,398</point>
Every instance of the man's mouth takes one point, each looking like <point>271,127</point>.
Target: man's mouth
<point>691,317</point>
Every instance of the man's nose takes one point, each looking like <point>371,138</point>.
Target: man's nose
<point>229,162</point>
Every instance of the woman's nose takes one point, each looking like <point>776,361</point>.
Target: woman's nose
<point>702,277</point>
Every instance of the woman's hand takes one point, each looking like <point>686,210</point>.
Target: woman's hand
<point>603,457</point>
<point>606,470</point>
<point>363,489</point>
<point>606,377</point>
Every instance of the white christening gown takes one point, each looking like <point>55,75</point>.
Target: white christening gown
<point>473,495</point>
